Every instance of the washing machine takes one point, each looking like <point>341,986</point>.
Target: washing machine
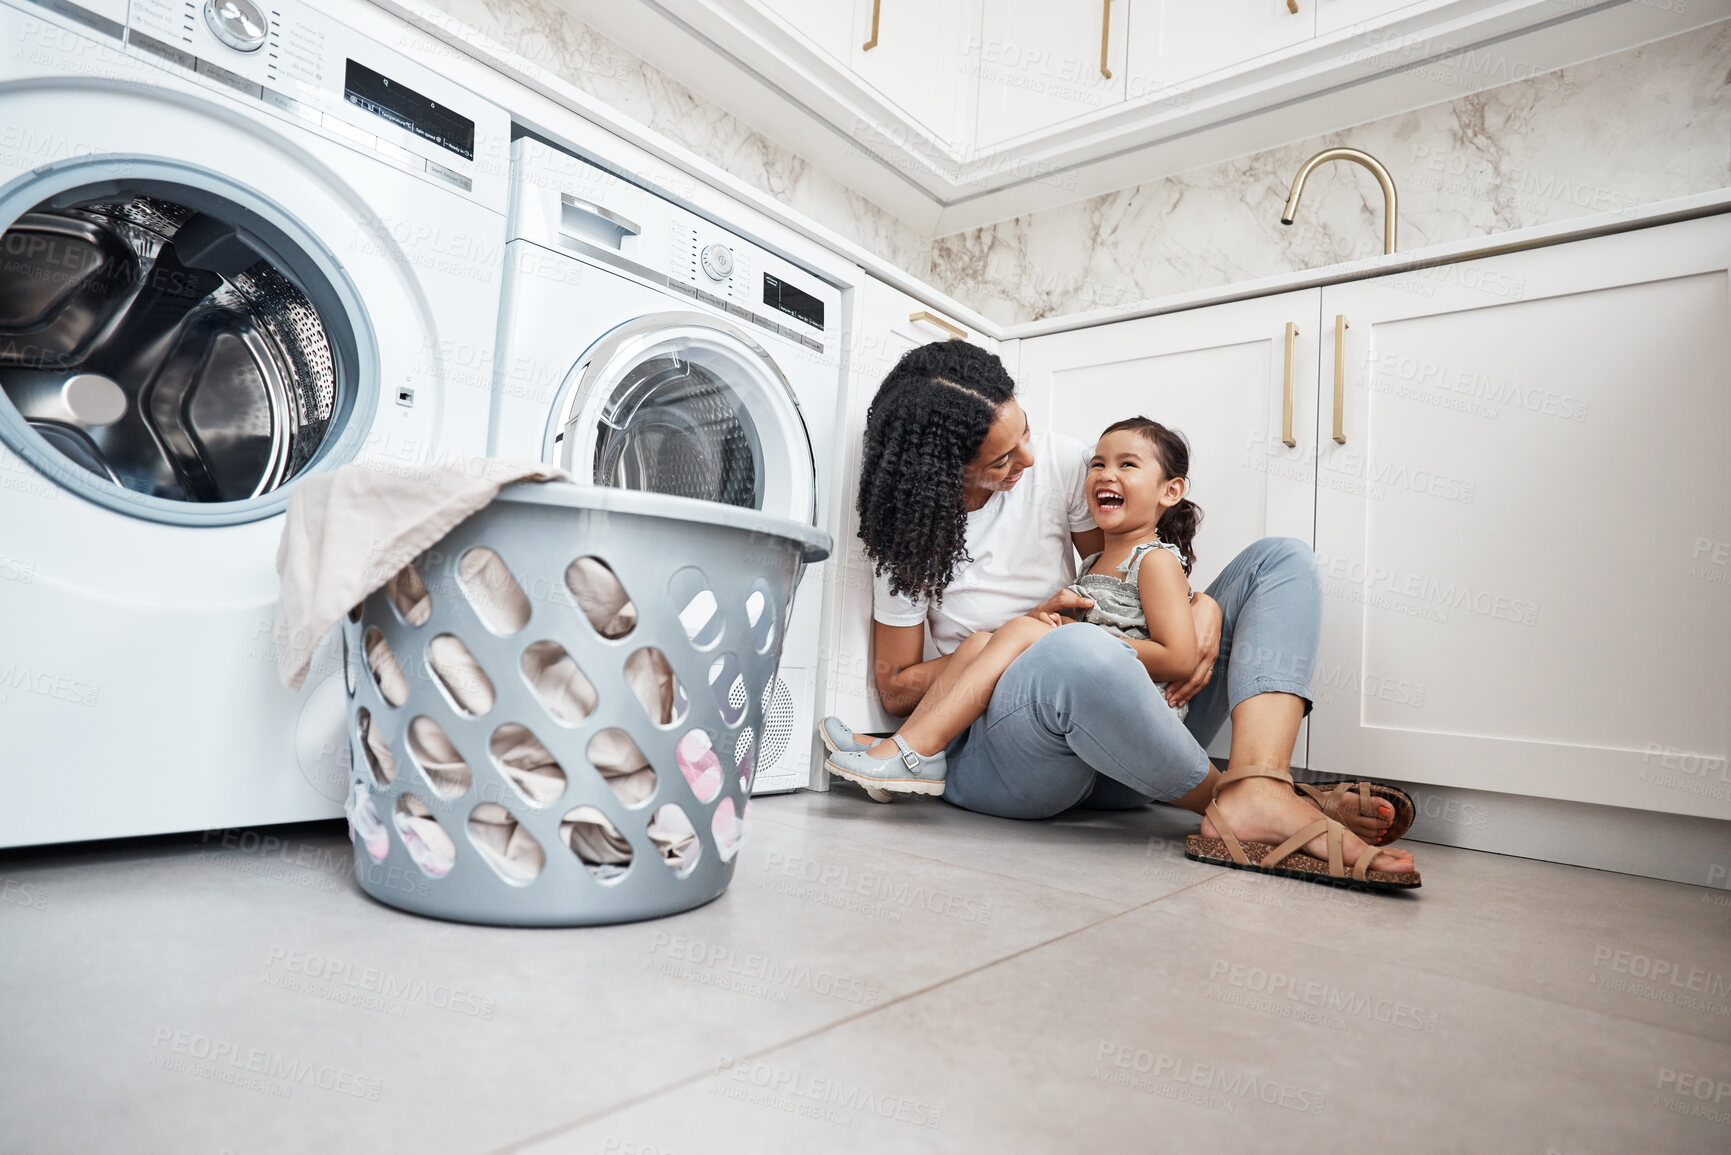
<point>238,244</point>
<point>646,347</point>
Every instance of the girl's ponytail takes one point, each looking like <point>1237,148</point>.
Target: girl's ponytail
<point>1178,525</point>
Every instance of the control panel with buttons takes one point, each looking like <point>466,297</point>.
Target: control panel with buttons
<point>301,64</point>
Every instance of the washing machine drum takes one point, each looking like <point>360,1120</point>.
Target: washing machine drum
<point>151,343</point>
<point>683,405</point>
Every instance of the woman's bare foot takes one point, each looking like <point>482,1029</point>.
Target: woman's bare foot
<point>1266,810</point>
<point>1366,826</point>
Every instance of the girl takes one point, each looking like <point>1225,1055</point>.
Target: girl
<point>1136,486</point>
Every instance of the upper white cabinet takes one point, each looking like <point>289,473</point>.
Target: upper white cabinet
<point>1336,15</point>
<point>1524,520</point>
<point>920,61</point>
<point>1041,64</point>
<point>1173,41</point>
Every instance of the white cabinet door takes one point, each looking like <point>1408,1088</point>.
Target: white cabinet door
<point>1040,64</point>
<point>1172,41</point>
<point>1218,375</point>
<point>826,23</point>
<point>1333,15</point>
<point>1525,535</point>
<point>920,61</point>
<point>889,324</point>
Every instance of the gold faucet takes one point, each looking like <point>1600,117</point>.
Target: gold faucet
<point>1390,202</point>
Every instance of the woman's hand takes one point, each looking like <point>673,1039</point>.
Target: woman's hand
<point>1206,612</point>
<point>1049,611</point>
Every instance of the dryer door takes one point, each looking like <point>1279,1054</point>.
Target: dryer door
<point>682,404</point>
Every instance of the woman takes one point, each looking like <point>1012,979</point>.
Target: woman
<point>970,518</point>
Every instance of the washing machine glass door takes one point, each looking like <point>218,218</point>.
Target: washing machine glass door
<point>167,342</point>
<point>683,405</point>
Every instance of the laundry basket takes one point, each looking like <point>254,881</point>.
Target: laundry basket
<point>555,712</point>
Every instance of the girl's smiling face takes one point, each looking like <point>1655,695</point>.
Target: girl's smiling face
<point>1128,488</point>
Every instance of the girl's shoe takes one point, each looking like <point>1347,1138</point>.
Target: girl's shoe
<point>840,737</point>
<point>903,773</point>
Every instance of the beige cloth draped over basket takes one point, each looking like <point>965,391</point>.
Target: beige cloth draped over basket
<point>354,530</point>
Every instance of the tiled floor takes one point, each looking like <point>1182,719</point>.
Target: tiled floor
<point>904,978</point>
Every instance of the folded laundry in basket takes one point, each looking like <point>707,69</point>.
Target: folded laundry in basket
<point>503,839</point>
<point>670,830</point>
<point>426,841</point>
<point>364,821</point>
<point>350,530</point>
<point>696,758</point>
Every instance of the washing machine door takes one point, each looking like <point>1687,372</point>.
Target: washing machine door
<point>162,341</point>
<point>683,404</point>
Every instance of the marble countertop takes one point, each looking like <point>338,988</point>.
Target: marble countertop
<point>520,71</point>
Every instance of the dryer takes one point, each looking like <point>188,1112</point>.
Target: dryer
<point>646,347</point>
<point>238,244</point>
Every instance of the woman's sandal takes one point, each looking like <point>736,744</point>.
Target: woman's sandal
<point>1332,802</point>
<point>1287,859</point>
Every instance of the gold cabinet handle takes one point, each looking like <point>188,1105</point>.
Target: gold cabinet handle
<point>956,332</point>
<point>1340,328</point>
<point>1105,36</point>
<point>1292,6</point>
<point>873,42</point>
<point>1286,437</point>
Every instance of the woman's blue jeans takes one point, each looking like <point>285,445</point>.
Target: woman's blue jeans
<point>1076,721</point>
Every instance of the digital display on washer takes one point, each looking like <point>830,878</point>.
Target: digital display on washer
<point>778,294</point>
<point>406,108</point>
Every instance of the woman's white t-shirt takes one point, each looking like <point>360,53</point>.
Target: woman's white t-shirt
<point>1019,543</point>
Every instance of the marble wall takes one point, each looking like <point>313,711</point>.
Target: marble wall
<point>1608,135</point>
<point>548,36</point>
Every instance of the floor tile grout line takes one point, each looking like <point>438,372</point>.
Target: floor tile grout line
<point>814,1032</point>
<point>1219,871</point>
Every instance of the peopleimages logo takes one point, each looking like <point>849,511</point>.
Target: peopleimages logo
<point>1661,970</point>
<point>328,977</point>
<point>223,1061</point>
<point>831,1100</point>
<point>1278,987</point>
<point>1232,1086</point>
<point>893,893</point>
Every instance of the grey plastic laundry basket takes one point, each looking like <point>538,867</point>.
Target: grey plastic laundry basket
<point>467,741</point>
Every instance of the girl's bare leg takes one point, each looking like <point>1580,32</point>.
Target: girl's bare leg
<point>959,695</point>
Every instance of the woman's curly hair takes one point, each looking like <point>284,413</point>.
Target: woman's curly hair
<point>926,424</point>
